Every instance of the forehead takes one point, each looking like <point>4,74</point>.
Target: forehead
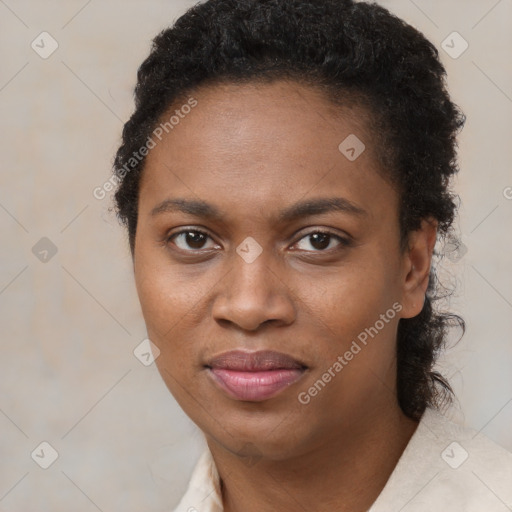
<point>235,112</point>
<point>260,144</point>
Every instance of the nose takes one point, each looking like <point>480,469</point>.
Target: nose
<point>252,294</point>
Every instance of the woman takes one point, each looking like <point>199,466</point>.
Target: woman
<point>284,179</point>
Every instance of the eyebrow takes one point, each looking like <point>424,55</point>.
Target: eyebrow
<point>190,206</point>
<point>299,210</point>
<point>318,206</point>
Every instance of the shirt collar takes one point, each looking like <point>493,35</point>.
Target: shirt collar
<point>204,491</point>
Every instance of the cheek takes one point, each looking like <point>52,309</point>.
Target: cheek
<point>173,306</point>
<point>166,295</point>
<point>354,297</point>
<point>166,307</point>
<point>354,349</point>
<point>358,323</point>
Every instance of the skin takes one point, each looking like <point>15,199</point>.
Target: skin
<point>252,151</point>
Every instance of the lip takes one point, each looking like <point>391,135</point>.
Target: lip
<point>254,376</point>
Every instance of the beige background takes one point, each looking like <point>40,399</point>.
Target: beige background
<point>69,326</point>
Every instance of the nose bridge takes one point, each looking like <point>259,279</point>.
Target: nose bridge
<point>251,281</point>
<point>251,293</point>
<point>251,277</point>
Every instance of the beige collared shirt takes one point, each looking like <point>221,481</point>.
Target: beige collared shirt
<point>444,468</point>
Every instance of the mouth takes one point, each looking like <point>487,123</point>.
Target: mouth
<point>254,376</point>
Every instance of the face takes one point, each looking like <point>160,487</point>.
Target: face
<point>269,270</point>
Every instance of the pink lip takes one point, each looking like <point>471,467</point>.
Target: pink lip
<point>254,376</point>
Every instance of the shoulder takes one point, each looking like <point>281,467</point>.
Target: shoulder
<point>449,467</point>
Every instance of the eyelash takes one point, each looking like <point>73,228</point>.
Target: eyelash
<point>344,242</point>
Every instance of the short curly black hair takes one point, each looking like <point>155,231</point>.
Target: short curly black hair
<point>359,54</point>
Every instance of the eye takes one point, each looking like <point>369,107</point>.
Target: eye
<point>191,240</point>
<point>321,241</point>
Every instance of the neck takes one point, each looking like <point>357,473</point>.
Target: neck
<point>346,472</point>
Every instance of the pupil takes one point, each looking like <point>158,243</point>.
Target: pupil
<point>320,240</point>
<point>195,239</point>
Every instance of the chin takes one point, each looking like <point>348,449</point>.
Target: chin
<point>265,435</point>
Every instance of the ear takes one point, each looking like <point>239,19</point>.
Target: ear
<point>416,267</point>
